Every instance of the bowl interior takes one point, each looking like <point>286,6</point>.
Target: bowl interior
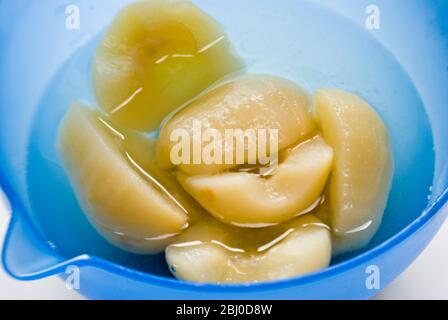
<point>299,40</point>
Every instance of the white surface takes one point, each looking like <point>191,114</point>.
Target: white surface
<point>427,278</point>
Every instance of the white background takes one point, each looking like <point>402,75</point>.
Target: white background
<point>427,278</point>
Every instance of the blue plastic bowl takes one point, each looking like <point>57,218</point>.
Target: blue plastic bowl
<point>401,68</point>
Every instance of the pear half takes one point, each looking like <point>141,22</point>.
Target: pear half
<point>362,170</point>
<point>248,199</point>
<point>157,55</point>
<point>119,202</point>
<point>304,247</point>
<point>249,102</point>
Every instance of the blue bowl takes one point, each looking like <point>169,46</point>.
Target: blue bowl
<point>394,54</point>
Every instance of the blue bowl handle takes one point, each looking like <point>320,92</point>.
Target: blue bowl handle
<point>25,256</point>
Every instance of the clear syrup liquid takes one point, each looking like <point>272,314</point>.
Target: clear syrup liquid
<point>293,39</point>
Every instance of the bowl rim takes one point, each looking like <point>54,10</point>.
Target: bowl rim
<point>85,260</point>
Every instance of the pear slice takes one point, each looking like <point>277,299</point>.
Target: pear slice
<point>123,206</point>
<point>248,199</point>
<point>303,247</point>
<point>363,167</point>
<point>249,102</point>
<point>157,55</point>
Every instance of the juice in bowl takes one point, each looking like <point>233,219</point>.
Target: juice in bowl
<point>103,192</point>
